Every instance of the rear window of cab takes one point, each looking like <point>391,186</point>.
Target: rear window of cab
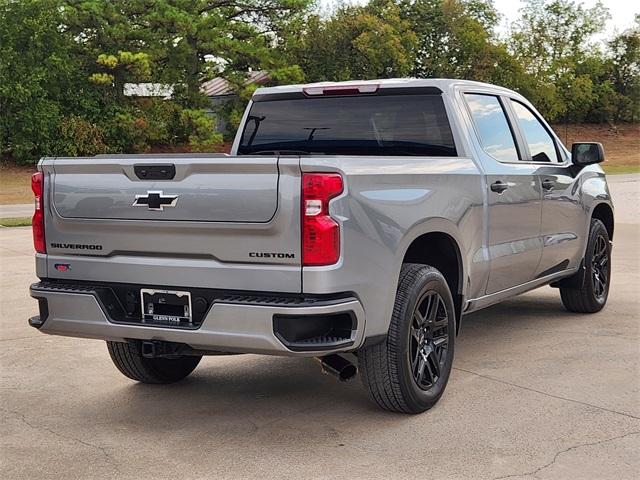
<point>390,125</point>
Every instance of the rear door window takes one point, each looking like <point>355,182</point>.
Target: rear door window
<point>539,140</point>
<point>493,128</point>
<point>350,125</point>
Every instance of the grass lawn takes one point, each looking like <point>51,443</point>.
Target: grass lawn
<point>621,149</point>
<point>15,222</point>
<point>614,169</point>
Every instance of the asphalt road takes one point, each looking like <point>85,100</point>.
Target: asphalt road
<point>536,392</point>
<point>16,211</point>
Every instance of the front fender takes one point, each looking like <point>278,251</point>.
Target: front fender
<point>594,192</point>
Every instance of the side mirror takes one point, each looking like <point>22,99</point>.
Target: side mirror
<point>586,153</point>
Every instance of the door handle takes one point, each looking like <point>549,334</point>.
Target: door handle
<point>499,186</point>
<point>548,184</point>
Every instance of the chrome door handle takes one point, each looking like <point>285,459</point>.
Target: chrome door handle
<point>548,184</point>
<point>499,186</point>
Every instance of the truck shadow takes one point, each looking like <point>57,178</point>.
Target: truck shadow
<point>540,308</point>
<point>249,396</point>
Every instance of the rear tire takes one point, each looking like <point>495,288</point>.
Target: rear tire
<point>409,371</point>
<point>593,294</point>
<point>128,359</point>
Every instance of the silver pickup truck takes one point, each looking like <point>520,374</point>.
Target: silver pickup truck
<point>351,220</point>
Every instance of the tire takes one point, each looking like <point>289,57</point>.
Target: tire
<point>128,359</point>
<point>390,370</point>
<point>594,291</point>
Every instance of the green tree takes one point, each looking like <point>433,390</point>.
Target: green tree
<point>455,38</point>
<point>121,67</point>
<point>552,40</point>
<point>42,80</point>
<point>356,42</point>
<point>64,65</point>
<point>204,38</point>
<point>625,73</point>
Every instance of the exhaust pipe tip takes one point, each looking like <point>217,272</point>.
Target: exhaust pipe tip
<point>338,366</point>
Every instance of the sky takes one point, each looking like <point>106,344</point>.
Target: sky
<point>622,13</point>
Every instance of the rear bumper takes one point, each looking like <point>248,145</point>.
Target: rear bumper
<point>233,323</point>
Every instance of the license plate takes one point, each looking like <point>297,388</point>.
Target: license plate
<point>168,307</point>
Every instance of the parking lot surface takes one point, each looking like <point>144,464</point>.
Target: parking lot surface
<point>536,392</point>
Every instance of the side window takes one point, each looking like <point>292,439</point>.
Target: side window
<point>493,127</point>
<point>540,142</point>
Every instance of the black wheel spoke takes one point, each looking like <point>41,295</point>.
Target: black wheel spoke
<point>600,266</point>
<point>434,362</point>
<point>603,246</point>
<point>430,371</point>
<point>442,320</point>
<point>415,334</point>
<point>603,276</point>
<point>419,374</point>
<point>441,342</point>
<point>428,339</point>
<point>434,303</point>
<point>415,359</point>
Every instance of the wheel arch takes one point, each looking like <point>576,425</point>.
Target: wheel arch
<point>604,213</point>
<point>441,250</point>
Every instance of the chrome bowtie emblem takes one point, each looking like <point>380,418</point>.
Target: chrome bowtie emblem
<point>155,200</point>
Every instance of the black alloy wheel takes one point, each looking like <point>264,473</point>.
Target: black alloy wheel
<point>408,371</point>
<point>600,267</point>
<point>587,291</point>
<point>429,339</point>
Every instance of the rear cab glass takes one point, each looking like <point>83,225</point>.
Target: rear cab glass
<point>389,124</point>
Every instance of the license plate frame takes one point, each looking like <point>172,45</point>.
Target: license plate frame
<point>168,307</point>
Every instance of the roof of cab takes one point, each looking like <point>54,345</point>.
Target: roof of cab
<point>444,84</point>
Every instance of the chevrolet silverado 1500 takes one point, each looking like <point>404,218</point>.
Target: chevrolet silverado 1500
<point>350,219</point>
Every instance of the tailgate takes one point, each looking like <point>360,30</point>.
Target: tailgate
<point>213,221</point>
<point>209,189</point>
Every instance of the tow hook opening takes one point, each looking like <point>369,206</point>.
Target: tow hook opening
<point>160,349</point>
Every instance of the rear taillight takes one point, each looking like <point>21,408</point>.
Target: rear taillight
<point>320,232</point>
<point>37,222</point>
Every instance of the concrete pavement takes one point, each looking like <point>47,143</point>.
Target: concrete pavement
<point>625,192</point>
<point>536,392</point>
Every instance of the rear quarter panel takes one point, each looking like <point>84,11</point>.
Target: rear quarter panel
<point>388,202</point>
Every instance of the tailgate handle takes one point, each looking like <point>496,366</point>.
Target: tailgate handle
<point>155,172</point>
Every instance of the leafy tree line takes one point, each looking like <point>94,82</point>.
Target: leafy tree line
<point>64,63</point>
<point>549,55</point>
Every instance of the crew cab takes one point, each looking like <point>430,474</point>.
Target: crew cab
<point>355,222</point>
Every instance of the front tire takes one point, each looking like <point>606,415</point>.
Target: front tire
<point>129,360</point>
<point>409,371</point>
<point>591,296</point>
